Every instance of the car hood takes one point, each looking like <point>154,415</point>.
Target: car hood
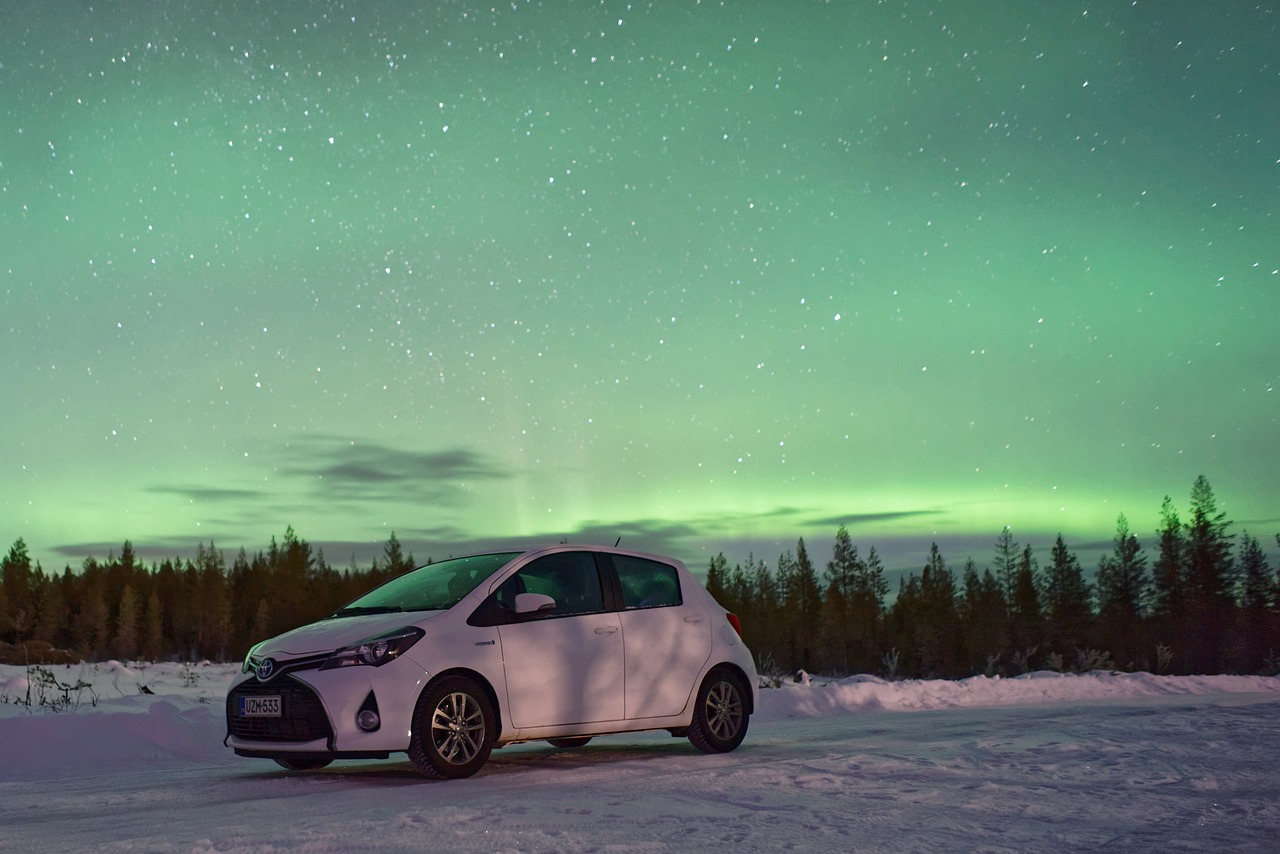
<point>329,635</point>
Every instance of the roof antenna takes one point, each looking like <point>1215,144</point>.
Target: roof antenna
<point>615,545</point>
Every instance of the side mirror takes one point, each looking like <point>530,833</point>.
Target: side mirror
<point>527,603</point>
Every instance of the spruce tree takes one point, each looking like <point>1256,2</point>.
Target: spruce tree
<point>1210,580</point>
<point>1167,581</point>
<point>839,622</point>
<point>1006,562</point>
<point>125,644</point>
<point>1066,602</point>
<point>1123,590</point>
<point>938,627</point>
<point>1026,632</point>
<point>1256,633</point>
<point>983,612</point>
<point>15,581</point>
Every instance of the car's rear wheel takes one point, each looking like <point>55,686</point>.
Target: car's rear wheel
<point>301,763</point>
<point>453,729</point>
<point>569,743</point>
<point>720,716</point>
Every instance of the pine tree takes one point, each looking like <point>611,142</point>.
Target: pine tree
<point>91,624</point>
<point>983,613</point>
<point>804,603</point>
<point>839,621</point>
<point>395,561</point>
<point>1210,579</point>
<point>1026,631</point>
<point>51,611</point>
<point>15,581</point>
<point>1210,567</point>
<point>1066,602</point>
<point>1168,576</point>
<point>1256,632</point>
<point>1006,562</point>
<point>126,639</point>
<point>1123,587</point>
<point>717,579</point>
<point>152,629</point>
<point>938,628</point>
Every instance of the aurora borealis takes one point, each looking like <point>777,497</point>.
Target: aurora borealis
<point>706,276</point>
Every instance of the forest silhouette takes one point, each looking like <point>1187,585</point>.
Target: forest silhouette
<point>1204,600</point>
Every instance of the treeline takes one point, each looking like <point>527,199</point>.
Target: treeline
<point>1205,602</point>
<point>191,609</point>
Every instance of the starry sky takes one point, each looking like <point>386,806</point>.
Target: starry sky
<point>706,276</point>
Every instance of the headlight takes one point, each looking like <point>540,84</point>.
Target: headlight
<point>375,651</point>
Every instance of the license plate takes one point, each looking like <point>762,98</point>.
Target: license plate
<point>259,707</point>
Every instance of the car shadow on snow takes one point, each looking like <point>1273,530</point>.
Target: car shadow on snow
<point>506,763</point>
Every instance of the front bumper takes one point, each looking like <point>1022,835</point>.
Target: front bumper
<point>319,709</point>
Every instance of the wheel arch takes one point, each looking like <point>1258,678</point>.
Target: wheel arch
<point>480,680</point>
<point>749,696</point>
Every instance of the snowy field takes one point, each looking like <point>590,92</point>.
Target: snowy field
<point>1129,762</point>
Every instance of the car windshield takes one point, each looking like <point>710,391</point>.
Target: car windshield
<point>434,587</point>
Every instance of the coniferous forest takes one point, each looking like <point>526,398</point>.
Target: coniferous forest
<point>1197,598</point>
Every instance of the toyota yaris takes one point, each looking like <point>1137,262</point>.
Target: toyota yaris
<point>454,659</point>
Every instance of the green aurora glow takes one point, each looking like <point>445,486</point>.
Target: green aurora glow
<point>708,276</point>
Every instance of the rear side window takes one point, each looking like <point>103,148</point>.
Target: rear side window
<point>647,583</point>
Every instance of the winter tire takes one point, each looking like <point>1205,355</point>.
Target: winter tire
<point>453,729</point>
<point>569,743</point>
<point>720,716</point>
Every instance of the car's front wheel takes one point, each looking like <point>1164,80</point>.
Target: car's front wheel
<point>720,716</point>
<point>453,729</point>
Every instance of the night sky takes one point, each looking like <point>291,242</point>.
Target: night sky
<point>706,276</point>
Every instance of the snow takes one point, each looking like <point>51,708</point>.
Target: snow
<point>1128,762</point>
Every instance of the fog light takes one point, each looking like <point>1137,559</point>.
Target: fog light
<point>368,720</point>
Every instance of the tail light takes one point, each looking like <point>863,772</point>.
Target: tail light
<point>733,621</point>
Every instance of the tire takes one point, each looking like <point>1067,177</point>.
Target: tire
<point>453,729</point>
<point>720,717</point>
<point>569,743</point>
<point>301,763</point>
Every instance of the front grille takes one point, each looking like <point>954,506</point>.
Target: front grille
<point>302,716</point>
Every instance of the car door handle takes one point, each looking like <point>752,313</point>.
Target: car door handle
<point>606,630</point>
<point>696,618</point>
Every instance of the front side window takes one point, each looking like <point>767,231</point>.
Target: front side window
<point>647,583</point>
<point>569,578</point>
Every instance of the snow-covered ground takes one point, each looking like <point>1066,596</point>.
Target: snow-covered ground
<point>1124,762</point>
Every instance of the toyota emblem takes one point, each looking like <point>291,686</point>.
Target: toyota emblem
<point>266,667</point>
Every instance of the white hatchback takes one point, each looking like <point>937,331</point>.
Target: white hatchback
<point>454,659</point>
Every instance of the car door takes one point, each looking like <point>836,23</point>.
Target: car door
<point>563,665</point>
<point>667,638</point>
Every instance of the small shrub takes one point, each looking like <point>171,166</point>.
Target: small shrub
<point>45,690</point>
<point>770,674</point>
<point>1022,659</point>
<point>1089,660</point>
<point>889,663</point>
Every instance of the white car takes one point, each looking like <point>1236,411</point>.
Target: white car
<point>454,659</point>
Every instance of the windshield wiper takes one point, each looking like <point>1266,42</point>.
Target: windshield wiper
<point>359,611</point>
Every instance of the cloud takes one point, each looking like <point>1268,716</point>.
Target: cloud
<point>852,520</point>
<point>351,469</point>
<point>208,493</point>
